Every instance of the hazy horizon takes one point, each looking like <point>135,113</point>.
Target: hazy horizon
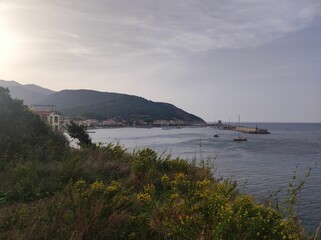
<point>215,59</point>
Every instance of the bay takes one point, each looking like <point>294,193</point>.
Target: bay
<point>262,165</point>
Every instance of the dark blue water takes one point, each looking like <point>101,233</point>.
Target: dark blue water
<point>263,164</point>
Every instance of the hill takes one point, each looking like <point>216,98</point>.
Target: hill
<point>29,93</point>
<point>23,135</point>
<point>101,105</point>
<point>104,105</point>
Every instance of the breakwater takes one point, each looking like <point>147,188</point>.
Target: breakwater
<point>243,129</point>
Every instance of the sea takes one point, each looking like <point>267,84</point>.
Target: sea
<point>264,165</point>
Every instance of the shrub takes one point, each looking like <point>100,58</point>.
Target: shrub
<point>79,132</point>
<point>184,209</point>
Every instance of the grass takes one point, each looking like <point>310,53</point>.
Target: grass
<point>103,192</point>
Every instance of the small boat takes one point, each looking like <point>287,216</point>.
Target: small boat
<point>216,135</point>
<point>90,132</point>
<point>240,139</point>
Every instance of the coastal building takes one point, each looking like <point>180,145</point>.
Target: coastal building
<point>90,123</point>
<point>113,122</point>
<point>48,114</point>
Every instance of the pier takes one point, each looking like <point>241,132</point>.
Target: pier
<point>239,128</point>
<point>248,130</point>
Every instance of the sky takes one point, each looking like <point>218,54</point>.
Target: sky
<point>217,59</point>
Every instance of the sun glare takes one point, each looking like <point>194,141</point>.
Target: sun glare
<point>7,44</point>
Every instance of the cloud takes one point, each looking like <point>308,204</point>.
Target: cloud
<point>200,25</point>
<point>235,24</point>
<point>171,28</point>
<point>100,28</point>
<point>133,38</point>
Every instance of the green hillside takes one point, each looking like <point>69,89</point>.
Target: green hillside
<point>103,105</point>
<point>100,105</point>
<point>23,136</point>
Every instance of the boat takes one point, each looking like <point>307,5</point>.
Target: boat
<point>240,139</point>
<point>216,135</point>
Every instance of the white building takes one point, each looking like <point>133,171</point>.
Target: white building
<point>55,120</point>
<point>48,114</point>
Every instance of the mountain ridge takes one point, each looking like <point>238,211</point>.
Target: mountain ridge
<point>86,104</point>
<point>29,93</point>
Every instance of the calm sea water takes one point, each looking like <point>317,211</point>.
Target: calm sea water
<point>263,164</point>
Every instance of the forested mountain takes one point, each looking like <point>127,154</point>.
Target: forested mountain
<point>29,93</point>
<point>100,105</point>
<point>103,105</point>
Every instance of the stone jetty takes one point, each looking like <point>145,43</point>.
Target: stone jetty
<point>243,129</point>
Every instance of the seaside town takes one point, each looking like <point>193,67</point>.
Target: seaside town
<point>56,119</point>
<point>58,122</point>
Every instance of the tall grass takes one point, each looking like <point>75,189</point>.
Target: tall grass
<point>103,192</point>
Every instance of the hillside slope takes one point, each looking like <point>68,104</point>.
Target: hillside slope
<point>29,93</point>
<point>100,105</point>
<point>23,135</point>
<point>103,105</point>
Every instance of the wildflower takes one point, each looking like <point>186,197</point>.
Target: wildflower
<point>149,188</point>
<point>144,197</point>
<point>174,196</point>
<point>204,183</point>
<point>113,186</point>
<point>97,186</point>
<point>80,185</point>
<point>165,179</point>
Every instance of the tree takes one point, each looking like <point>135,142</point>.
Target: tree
<point>24,136</point>
<point>79,132</point>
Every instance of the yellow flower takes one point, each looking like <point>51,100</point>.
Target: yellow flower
<point>204,183</point>
<point>149,188</point>
<point>174,196</point>
<point>144,197</point>
<point>181,177</point>
<point>113,186</point>
<point>97,186</point>
<point>80,185</point>
<point>165,179</point>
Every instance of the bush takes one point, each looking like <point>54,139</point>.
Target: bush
<point>161,205</point>
<point>183,209</point>
<point>79,132</point>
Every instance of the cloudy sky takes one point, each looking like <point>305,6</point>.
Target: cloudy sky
<point>214,58</point>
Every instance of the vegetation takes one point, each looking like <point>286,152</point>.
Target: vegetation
<point>23,136</point>
<point>103,192</point>
<point>100,105</point>
<point>79,132</point>
<point>103,105</point>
